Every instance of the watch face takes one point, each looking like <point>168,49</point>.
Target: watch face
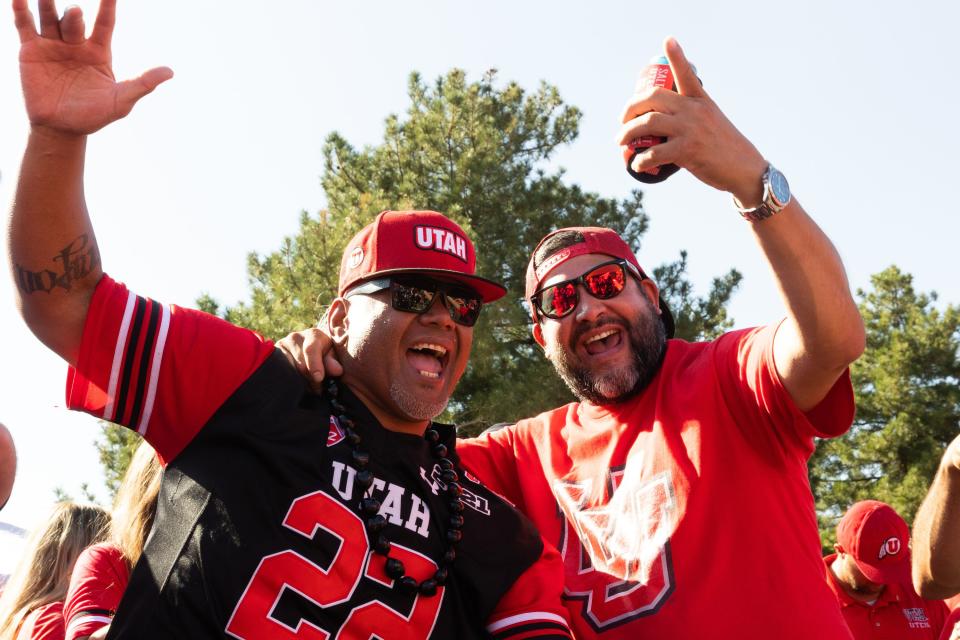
<point>779,187</point>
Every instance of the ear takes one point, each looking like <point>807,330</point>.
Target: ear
<point>338,323</point>
<point>538,334</point>
<point>650,289</point>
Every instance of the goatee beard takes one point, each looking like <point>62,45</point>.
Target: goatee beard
<point>648,342</point>
<point>413,406</point>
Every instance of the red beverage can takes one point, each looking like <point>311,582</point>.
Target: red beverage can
<point>656,74</point>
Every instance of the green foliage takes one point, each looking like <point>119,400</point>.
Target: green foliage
<point>696,318</point>
<point>115,446</point>
<point>477,152</point>
<point>61,495</point>
<point>908,404</point>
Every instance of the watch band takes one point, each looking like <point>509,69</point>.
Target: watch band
<point>768,207</point>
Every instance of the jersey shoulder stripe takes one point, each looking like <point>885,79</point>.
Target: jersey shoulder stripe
<point>138,354</point>
<point>159,369</point>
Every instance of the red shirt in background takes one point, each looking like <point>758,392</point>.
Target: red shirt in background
<point>96,586</point>
<point>898,614</point>
<point>43,623</point>
<point>951,628</point>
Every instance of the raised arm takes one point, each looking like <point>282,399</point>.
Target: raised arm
<point>936,531</point>
<point>69,92</point>
<point>823,332</point>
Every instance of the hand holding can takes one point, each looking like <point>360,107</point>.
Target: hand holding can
<point>656,74</point>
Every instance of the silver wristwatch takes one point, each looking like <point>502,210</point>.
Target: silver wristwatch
<point>776,196</point>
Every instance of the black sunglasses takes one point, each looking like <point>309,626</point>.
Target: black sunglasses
<point>416,294</point>
<point>603,282</point>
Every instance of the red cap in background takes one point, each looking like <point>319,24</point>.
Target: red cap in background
<point>878,540</point>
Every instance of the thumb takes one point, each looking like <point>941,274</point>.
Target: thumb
<point>686,78</point>
<point>332,365</point>
<point>130,91</point>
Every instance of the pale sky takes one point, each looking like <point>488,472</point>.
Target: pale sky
<point>854,101</point>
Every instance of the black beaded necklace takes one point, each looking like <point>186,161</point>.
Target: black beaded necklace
<point>370,507</point>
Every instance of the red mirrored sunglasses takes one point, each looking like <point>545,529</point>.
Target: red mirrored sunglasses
<point>603,282</point>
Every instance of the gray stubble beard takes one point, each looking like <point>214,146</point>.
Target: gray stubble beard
<point>413,406</point>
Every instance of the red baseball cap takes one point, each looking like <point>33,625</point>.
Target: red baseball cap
<point>414,242</point>
<point>595,240</point>
<point>877,538</point>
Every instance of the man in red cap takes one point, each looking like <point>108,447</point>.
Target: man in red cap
<point>870,575</point>
<point>679,455</point>
<point>282,514</point>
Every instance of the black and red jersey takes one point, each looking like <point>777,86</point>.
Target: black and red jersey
<point>257,535</point>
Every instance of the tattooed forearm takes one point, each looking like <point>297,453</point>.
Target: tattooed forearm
<point>74,262</point>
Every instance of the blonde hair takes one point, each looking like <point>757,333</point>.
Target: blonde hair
<point>136,503</point>
<point>43,573</point>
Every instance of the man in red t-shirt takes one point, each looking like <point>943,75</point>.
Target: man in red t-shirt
<point>676,489</point>
<point>870,575</point>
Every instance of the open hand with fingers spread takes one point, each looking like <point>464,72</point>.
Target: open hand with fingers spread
<point>67,78</point>
<point>699,137</point>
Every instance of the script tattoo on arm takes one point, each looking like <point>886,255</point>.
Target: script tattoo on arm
<point>74,262</point>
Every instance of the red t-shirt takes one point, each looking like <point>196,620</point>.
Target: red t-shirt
<point>898,614</point>
<point>43,623</point>
<point>96,586</point>
<point>951,628</point>
<point>685,512</point>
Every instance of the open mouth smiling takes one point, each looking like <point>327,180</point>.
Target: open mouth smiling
<point>428,358</point>
<point>603,341</point>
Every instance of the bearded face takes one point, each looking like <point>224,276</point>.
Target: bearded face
<point>600,381</point>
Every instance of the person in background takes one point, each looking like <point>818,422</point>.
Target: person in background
<point>101,574</point>
<point>8,465</point>
<point>870,575</point>
<point>31,607</point>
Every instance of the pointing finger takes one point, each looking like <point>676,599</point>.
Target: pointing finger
<point>24,21</point>
<point>683,73</point>
<point>103,27</point>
